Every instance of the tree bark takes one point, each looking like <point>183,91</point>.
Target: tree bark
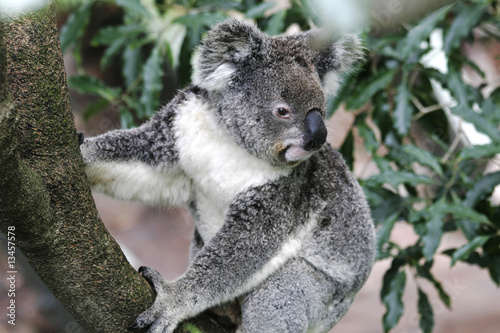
<point>45,199</point>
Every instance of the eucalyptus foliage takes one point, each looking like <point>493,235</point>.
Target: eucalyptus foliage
<point>427,177</point>
<point>423,179</point>
<point>153,37</point>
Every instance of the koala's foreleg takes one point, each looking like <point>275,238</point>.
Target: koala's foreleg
<point>253,243</point>
<point>137,164</point>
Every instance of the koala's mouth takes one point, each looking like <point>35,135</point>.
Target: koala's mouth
<point>294,153</point>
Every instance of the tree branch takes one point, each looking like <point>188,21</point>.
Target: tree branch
<point>44,193</point>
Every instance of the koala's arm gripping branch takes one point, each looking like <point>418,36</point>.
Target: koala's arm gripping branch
<point>261,232</point>
<point>250,246</point>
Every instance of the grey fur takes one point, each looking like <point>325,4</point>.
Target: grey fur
<point>293,249</point>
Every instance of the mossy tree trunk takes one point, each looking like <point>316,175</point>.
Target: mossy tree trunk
<point>44,195</point>
<point>45,199</point>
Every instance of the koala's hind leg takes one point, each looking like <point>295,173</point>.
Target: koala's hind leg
<point>296,299</point>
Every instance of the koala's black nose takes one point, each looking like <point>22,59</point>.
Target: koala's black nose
<point>316,132</point>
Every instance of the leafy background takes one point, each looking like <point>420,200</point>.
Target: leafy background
<point>428,175</point>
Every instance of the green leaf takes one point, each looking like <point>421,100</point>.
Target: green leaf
<point>462,26</point>
<point>383,164</point>
<point>491,252</point>
<point>384,204</point>
<point>381,115</point>
<point>461,91</point>
<point>75,25</point>
<point>191,328</point>
<point>468,228</point>
<point>369,141</point>
<point>459,211</point>
<point>202,19</point>
<point>347,149</point>
<point>111,51</point>
<point>426,314</point>
<point>474,258</point>
<point>134,7</point>
<point>108,35</point>
<point>464,252</point>
<point>276,23</point>
<point>394,178</point>
<point>220,4</point>
<point>424,158</point>
<point>404,110</point>
<point>473,66</point>
<point>419,33</point>
<point>425,272</point>
<point>86,84</point>
<point>173,36</point>
<point>490,107</point>
<point>479,122</point>
<point>126,118</point>
<point>482,151</point>
<point>370,87</point>
<point>494,269</point>
<point>384,234</point>
<point>482,187</point>
<point>462,212</point>
<point>432,236</point>
<point>152,76</point>
<point>132,64</point>
<point>392,291</point>
<point>259,10</point>
<point>433,73</point>
<point>196,23</point>
<point>95,108</point>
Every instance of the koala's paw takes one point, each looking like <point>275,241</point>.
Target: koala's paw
<point>154,278</point>
<point>81,137</point>
<point>160,317</point>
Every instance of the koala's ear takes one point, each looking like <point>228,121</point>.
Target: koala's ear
<point>225,46</point>
<point>335,58</point>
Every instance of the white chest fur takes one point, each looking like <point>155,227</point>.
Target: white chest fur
<point>218,167</point>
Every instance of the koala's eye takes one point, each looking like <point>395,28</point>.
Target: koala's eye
<point>282,112</point>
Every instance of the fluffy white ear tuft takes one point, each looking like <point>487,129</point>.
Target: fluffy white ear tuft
<point>331,83</point>
<point>215,80</point>
<point>224,48</point>
<point>349,51</point>
<point>336,59</point>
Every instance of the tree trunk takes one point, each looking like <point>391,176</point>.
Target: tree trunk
<point>46,207</point>
<point>45,200</point>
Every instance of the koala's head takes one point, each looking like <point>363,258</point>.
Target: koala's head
<point>270,92</point>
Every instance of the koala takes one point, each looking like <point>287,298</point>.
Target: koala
<point>282,228</point>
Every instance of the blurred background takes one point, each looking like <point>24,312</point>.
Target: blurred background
<point>418,124</point>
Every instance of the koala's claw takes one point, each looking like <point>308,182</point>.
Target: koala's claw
<point>81,137</point>
<point>154,278</point>
<point>155,320</point>
<point>158,317</point>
